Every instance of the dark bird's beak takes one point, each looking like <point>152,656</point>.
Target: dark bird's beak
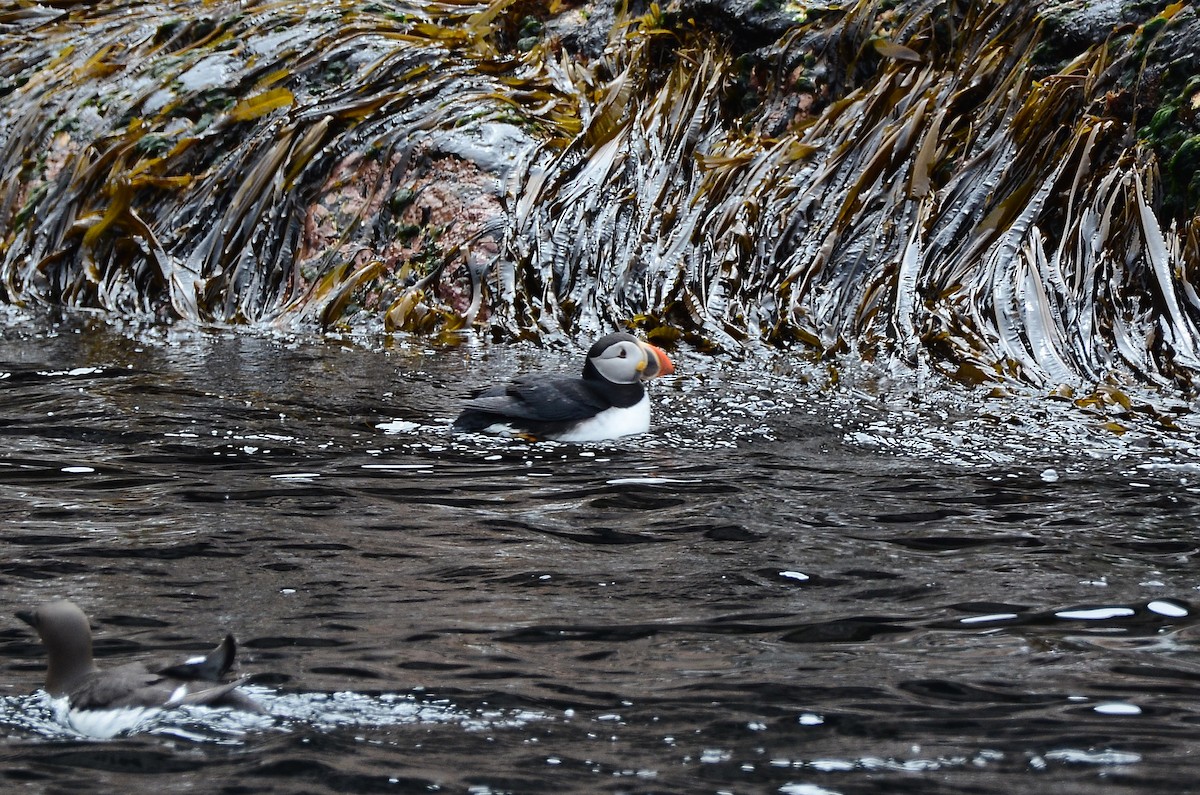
<point>28,617</point>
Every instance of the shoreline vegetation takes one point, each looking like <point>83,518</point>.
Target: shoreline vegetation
<point>1002,193</point>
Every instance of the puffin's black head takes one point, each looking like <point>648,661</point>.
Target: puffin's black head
<point>621,358</point>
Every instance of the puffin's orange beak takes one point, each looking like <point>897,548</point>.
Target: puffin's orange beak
<point>658,363</point>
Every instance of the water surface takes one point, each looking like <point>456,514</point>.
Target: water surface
<point>784,587</point>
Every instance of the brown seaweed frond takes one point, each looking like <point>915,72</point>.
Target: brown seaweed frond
<point>949,202</point>
<point>171,163</point>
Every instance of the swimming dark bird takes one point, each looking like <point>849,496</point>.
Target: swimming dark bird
<point>607,401</point>
<point>104,703</point>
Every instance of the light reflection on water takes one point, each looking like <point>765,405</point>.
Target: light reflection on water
<point>784,587</point>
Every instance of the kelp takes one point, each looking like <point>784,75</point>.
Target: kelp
<point>918,184</point>
<point>169,164</point>
<point>954,209</point>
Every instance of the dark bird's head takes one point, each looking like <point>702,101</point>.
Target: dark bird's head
<point>624,359</point>
<point>67,636</point>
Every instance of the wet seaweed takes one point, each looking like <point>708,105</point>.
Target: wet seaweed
<point>926,185</point>
<point>186,157</point>
<point>949,209</point>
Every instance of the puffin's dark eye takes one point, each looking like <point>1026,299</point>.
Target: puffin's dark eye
<point>621,354</point>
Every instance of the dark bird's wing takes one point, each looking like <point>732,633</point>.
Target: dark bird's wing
<point>134,686</point>
<point>211,668</point>
<point>126,686</point>
<point>223,695</point>
<point>192,682</point>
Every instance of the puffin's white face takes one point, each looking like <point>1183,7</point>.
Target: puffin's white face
<point>629,360</point>
<point>622,362</point>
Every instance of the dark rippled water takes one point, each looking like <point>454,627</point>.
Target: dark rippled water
<point>785,587</point>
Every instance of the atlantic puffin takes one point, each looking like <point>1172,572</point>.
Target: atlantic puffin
<point>105,702</point>
<point>606,402</point>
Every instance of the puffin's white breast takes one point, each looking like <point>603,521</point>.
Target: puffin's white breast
<point>610,423</point>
